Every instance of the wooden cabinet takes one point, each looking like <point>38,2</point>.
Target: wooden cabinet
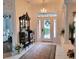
<point>24,28</point>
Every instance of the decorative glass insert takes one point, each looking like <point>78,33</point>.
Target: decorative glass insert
<point>46,30</point>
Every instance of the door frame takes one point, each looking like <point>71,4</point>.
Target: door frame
<point>46,15</point>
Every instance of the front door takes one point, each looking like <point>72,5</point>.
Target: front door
<point>45,29</point>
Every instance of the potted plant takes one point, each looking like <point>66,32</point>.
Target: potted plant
<point>71,32</point>
<point>70,53</point>
<point>18,47</point>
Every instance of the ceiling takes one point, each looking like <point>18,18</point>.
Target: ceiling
<point>38,2</point>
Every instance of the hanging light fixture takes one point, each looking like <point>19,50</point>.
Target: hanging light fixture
<point>43,10</point>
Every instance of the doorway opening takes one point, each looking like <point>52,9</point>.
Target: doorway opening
<point>7,36</point>
<point>46,26</point>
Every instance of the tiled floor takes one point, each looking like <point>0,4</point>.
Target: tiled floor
<point>60,53</point>
<point>67,46</point>
<point>7,54</point>
<point>61,50</point>
<point>17,56</point>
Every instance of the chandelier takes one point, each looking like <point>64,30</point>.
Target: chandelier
<point>43,10</point>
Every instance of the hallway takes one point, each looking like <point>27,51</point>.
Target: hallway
<point>40,29</point>
<point>41,51</point>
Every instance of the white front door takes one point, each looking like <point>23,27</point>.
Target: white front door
<point>45,29</point>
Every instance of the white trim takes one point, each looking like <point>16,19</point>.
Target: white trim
<point>54,28</point>
<point>47,14</point>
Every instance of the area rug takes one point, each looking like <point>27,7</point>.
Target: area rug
<point>40,51</point>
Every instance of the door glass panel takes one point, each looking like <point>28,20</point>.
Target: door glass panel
<point>46,29</point>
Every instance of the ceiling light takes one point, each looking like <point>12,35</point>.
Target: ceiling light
<point>43,10</point>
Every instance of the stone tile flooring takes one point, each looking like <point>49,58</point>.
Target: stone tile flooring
<point>67,46</point>
<point>61,50</point>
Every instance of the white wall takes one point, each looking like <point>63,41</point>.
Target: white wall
<point>71,9</point>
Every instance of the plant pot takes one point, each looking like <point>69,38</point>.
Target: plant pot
<point>18,51</point>
<point>70,53</point>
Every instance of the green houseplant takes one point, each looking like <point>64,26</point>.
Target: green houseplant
<point>71,32</point>
<point>70,52</point>
<point>18,47</point>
